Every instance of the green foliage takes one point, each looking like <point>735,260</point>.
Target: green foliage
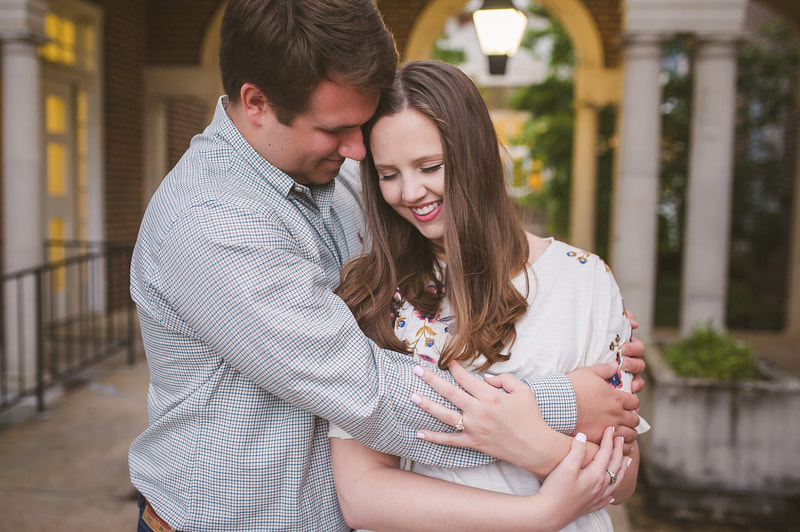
<point>549,133</point>
<point>674,164</point>
<point>763,179</point>
<point>711,354</point>
<point>550,105</point>
<point>561,54</point>
<point>443,52</point>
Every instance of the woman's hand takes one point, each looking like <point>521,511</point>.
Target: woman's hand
<point>633,353</point>
<point>508,426</point>
<point>574,491</point>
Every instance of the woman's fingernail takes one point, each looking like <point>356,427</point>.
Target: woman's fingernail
<point>628,463</point>
<point>613,429</point>
<point>489,375</point>
<point>418,371</point>
<point>416,399</point>
<point>581,437</point>
<point>421,435</point>
<point>612,500</point>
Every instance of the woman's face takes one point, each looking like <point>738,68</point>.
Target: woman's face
<point>408,155</point>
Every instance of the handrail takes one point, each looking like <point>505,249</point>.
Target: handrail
<point>58,318</point>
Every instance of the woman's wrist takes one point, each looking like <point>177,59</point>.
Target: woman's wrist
<point>546,513</point>
<point>545,452</point>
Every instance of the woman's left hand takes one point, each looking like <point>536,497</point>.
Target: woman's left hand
<point>501,419</point>
<point>632,357</point>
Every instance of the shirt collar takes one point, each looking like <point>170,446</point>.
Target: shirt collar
<point>276,178</point>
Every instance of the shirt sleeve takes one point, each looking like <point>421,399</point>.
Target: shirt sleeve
<point>241,283</point>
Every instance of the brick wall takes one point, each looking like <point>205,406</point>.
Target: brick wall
<point>186,117</point>
<point>399,16</point>
<point>607,16</point>
<point>176,29</point>
<point>124,46</point>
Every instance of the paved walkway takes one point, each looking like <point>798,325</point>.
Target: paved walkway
<point>68,470</point>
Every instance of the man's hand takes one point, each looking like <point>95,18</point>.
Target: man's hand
<point>632,361</point>
<point>601,406</point>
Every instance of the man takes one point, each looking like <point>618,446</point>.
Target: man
<point>238,253</point>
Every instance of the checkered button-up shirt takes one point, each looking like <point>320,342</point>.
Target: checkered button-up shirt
<point>250,352</point>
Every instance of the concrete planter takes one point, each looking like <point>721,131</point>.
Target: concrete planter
<point>725,450</point>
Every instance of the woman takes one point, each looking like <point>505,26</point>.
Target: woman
<point>452,277</point>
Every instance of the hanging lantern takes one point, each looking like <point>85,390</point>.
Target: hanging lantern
<point>500,27</point>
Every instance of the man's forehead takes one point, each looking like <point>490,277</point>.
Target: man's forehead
<point>337,106</point>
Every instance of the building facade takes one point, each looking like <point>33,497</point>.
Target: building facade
<point>101,97</point>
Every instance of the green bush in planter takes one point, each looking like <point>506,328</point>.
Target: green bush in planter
<point>712,354</point>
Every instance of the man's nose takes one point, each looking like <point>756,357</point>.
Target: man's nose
<point>352,145</point>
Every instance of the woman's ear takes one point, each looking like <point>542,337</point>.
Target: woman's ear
<point>254,104</point>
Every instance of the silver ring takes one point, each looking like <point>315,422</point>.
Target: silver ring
<point>613,476</point>
<point>460,424</point>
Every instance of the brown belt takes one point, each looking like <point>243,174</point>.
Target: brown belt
<point>152,519</point>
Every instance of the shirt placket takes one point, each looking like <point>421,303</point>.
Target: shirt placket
<point>317,211</point>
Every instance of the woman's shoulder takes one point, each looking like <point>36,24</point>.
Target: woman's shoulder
<point>537,246</point>
<point>562,255</point>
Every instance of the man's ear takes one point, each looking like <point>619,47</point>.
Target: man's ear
<point>254,104</point>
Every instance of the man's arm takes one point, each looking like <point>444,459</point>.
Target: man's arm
<point>246,286</point>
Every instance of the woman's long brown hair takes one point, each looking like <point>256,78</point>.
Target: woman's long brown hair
<point>484,242</point>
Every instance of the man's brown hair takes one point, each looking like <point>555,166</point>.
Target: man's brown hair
<point>286,47</point>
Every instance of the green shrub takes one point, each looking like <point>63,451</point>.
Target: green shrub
<point>712,354</point>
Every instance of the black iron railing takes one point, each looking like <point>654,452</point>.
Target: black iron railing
<point>58,318</point>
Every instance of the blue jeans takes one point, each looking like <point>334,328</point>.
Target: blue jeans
<point>143,526</point>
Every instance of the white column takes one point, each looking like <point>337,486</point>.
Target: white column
<point>22,155</point>
<point>708,194</point>
<point>634,224</point>
<point>21,29</point>
<point>584,177</point>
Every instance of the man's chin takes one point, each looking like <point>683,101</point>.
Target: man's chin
<point>328,173</point>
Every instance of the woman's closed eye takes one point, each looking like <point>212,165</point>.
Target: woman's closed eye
<point>432,169</point>
<point>387,177</point>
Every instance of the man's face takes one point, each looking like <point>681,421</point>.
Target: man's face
<point>312,149</point>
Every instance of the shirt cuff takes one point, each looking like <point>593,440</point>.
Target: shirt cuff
<point>556,399</point>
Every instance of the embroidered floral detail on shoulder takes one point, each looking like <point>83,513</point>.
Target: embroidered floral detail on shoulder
<point>581,256</point>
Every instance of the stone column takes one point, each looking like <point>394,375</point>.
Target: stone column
<point>584,177</point>
<point>21,30</point>
<point>634,229</point>
<point>708,195</point>
<point>22,155</point>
